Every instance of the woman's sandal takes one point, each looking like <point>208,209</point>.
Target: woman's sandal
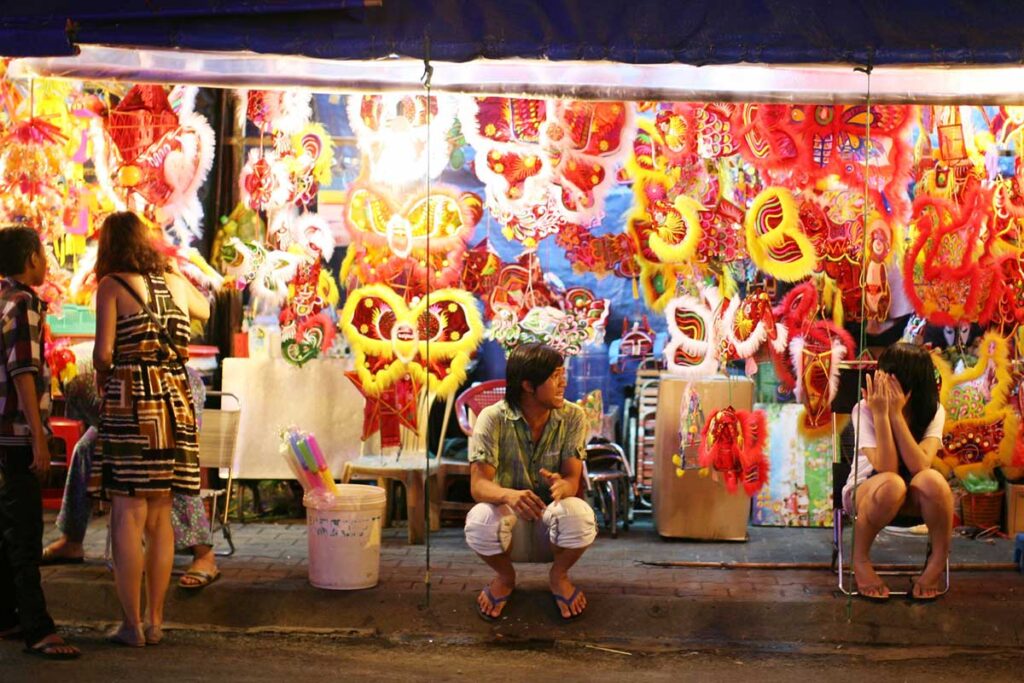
<point>201,579</point>
<point>154,634</point>
<point>128,636</point>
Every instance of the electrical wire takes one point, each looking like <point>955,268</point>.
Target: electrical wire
<point>428,73</point>
<point>866,70</point>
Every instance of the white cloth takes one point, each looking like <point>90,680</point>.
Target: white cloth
<point>274,395</point>
<point>863,421</point>
<point>570,523</point>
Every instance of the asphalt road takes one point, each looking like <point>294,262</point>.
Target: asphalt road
<point>192,656</point>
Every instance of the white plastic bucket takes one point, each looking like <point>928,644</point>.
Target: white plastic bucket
<point>344,537</point>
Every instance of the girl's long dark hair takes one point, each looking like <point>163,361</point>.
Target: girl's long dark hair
<point>914,369</point>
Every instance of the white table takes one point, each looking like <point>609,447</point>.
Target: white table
<point>274,395</point>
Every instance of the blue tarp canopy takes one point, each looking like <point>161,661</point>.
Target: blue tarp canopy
<point>632,31</point>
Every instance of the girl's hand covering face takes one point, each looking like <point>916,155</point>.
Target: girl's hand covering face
<point>897,399</point>
<point>876,392</point>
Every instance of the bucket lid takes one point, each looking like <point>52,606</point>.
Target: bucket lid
<point>349,497</point>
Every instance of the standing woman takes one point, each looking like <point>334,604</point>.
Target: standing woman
<point>148,443</point>
<point>900,425</point>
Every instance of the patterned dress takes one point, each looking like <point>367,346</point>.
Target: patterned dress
<point>148,440</point>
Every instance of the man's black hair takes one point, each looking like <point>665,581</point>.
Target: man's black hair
<point>532,363</point>
<point>17,244</point>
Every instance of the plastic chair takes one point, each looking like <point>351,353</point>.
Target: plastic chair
<point>66,433</point>
<point>218,433</point>
<point>471,401</point>
<point>610,477</point>
<point>467,406</point>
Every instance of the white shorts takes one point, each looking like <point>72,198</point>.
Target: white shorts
<point>570,524</point>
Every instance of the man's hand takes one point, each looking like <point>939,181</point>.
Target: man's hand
<point>40,456</point>
<point>560,488</point>
<point>526,504</point>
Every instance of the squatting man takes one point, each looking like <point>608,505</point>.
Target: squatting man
<point>526,467</point>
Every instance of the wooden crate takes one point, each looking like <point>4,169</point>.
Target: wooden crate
<point>1014,509</point>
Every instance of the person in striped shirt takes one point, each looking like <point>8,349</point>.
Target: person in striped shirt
<point>24,445</point>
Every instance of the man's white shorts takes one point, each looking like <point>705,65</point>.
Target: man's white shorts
<point>569,523</point>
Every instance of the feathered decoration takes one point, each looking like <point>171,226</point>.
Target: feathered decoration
<point>390,338</point>
<point>816,355</point>
<point>733,443</point>
<point>775,241</point>
<point>980,428</point>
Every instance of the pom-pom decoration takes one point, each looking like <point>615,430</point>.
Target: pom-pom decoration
<point>265,183</point>
<point>776,243</point>
<point>602,255</point>
<point>580,321</point>
<point>816,354</point>
<point>392,134</point>
<point>950,271</point>
<point>692,349</point>
<point>732,443</point>
<point>545,163</point>
<point>981,425</point>
<point>390,338</point>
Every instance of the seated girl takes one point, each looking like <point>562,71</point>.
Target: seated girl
<point>900,425</point>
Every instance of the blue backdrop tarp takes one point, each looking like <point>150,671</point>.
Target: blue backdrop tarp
<point>631,31</point>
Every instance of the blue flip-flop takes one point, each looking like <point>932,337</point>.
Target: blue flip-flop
<point>494,603</point>
<point>568,605</point>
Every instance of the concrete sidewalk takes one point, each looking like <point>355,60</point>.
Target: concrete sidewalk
<point>264,587</point>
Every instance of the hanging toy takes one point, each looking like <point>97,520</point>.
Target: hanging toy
<point>732,443</point>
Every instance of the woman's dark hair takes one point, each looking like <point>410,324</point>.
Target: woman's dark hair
<point>914,369</point>
<point>532,363</point>
<point>17,244</point>
<point>125,246</point>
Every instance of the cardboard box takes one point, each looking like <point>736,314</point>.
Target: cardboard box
<point>693,506</point>
<point>1014,509</point>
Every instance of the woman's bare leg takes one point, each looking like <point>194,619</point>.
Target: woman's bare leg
<point>932,495</point>
<point>127,522</point>
<point>159,556</point>
<point>878,500</point>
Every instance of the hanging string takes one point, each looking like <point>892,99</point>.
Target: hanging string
<point>428,73</point>
<point>866,70</point>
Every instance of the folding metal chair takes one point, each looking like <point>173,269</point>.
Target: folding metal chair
<point>218,433</point>
<point>610,478</point>
<point>842,464</point>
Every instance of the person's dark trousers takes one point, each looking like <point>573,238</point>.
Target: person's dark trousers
<point>21,547</point>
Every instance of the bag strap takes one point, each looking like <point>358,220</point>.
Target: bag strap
<point>164,334</point>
